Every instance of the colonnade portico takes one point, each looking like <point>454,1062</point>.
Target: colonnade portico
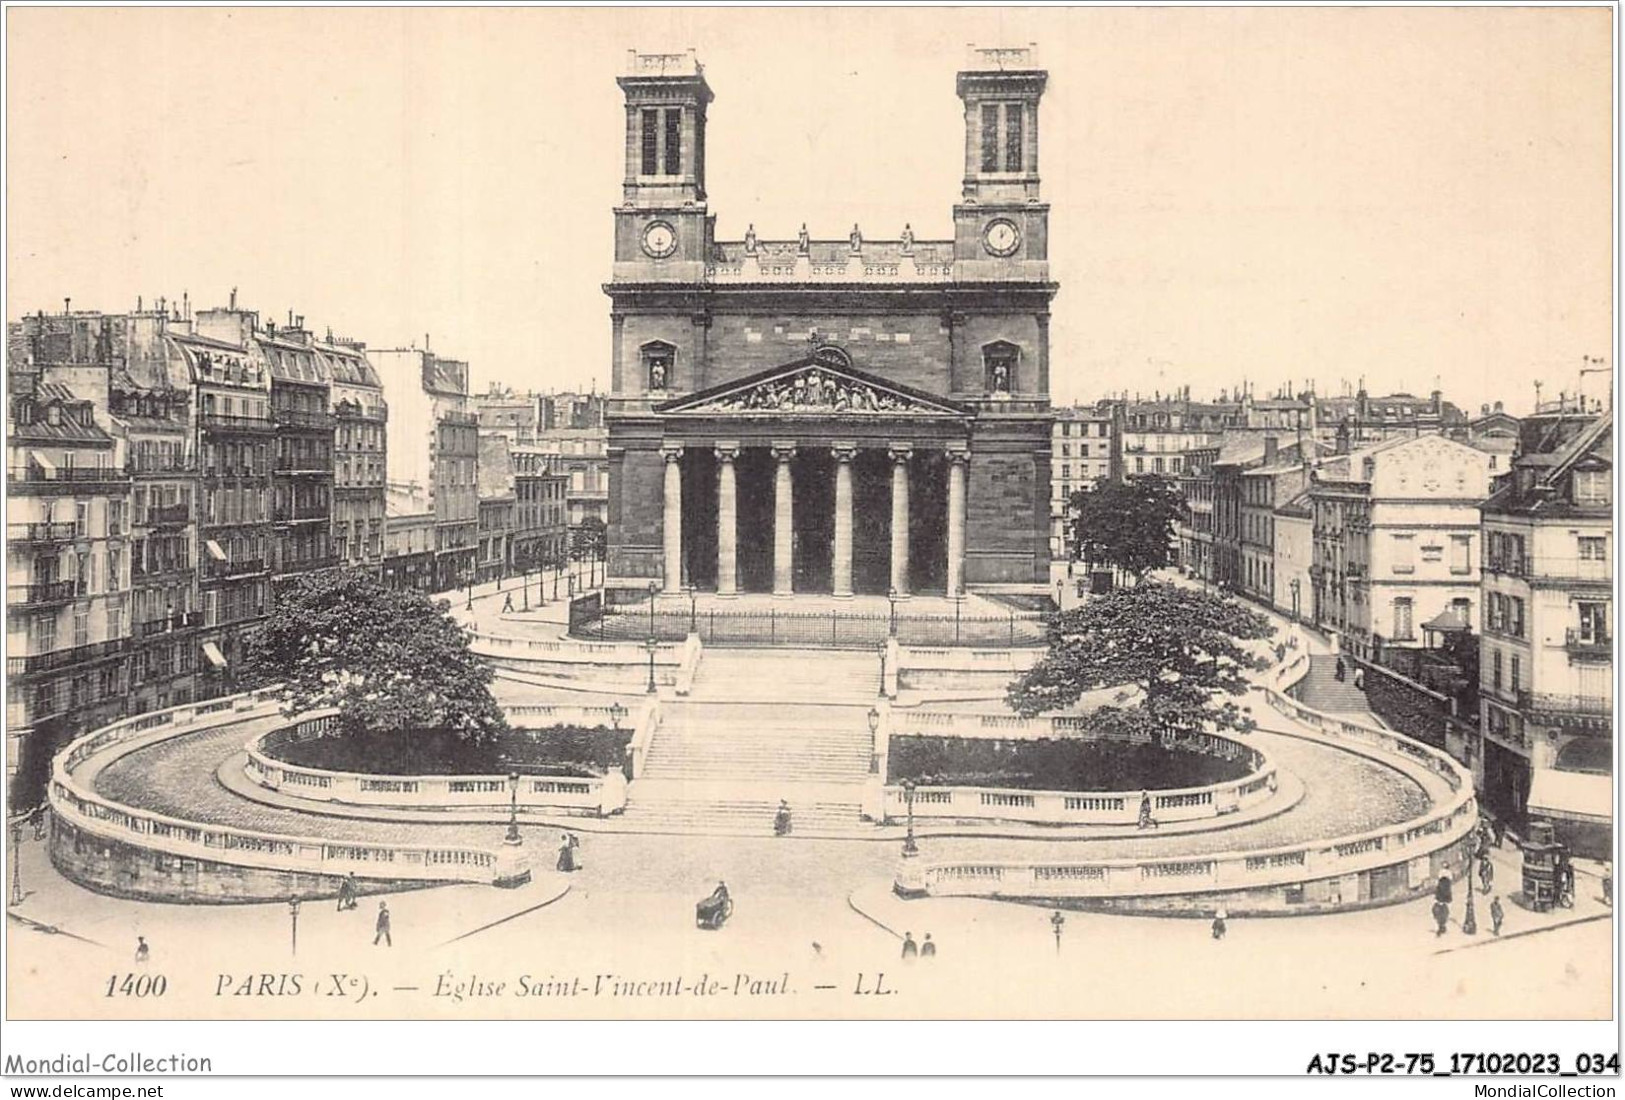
<point>849,498</point>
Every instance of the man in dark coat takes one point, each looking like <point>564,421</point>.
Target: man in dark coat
<point>1443,892</point>
<point>928,950</point>
<point>382,932</point>
<point>1341,670</point>
<point>910,948</point>
<point>1497,915</point>
<point>1441,916</point>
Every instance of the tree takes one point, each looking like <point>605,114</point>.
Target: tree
<point>1185,650</point>
<point>390,661</point>
<point>587,541</point>
<point>1129,525</point>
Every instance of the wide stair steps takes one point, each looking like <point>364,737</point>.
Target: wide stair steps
<point>1322,690</point>
<point>796,728</point>
<point>788,676</point>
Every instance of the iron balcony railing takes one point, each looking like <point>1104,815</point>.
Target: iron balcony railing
<point>169,515</point>
<point>1587,643</point>
<point>240,568</point>
<point>234,422</point>
<point>34,479</point>
<point>1544,702</point>
<point>65,658</point>
<point>45,592</point>
<point>299,465</point>
<point>1511,565</point>
<point>168,623</point>
<point>39,532</point>
<point>300,418</point>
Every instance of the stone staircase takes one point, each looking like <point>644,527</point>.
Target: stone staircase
<point>787,676</point>
<point>759,726</point>
<point>1320,688</point>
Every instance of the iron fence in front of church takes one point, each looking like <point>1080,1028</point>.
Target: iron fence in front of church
<point>842,629</point>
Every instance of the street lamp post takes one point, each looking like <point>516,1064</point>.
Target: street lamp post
<point>693,609</point>
<point>891,594</point>
<point>524,583</point>
<point>1057,922</point>
<point>910,849</point>
<point>16,863</point>
<point>1295,586</point>
<point>293,916</point>
<point>513,810</point>
<point>470,605</point>
<point>616,713</point>
<point>653,588</point>
<point>1469,919</point>
<point>959,599</point>
<point>652,644</point>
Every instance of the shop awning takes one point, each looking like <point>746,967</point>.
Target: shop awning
<point>44,462</point>
<point>1575,796</point>
<point>214,550</point>
<point>212,652</point>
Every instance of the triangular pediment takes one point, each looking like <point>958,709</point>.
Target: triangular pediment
<point>821,384</point>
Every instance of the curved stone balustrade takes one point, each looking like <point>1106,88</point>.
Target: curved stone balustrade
<point>79,813</point>
<point>623,664</point>
<point>1264,878</point>
<point>599,796</point>
<point>1071,807</point>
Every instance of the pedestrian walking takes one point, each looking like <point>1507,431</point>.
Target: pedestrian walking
<point>1498,829</point>
<point>347,892</point>
<point>1341,670</point>
<point>507,603</point>
<point>1146,820</point>
<point>1608,884</point>
<point>928,950</point>
<point>1443,892</point>
<point>1219,925</point>
<point>1497,915</point>
<point>382,932</point>
<point>1441,916</point>
<point>42,816</point>
<point>141,951</point>
<point>1486,873</point>
<point>1359,679</point>
<point>910,948</point>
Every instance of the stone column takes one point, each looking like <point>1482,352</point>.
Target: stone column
<point>727,521</point>
<point>783,520</point>
<point>673,533</point>
<point>844,454</point>
<point>957,460</point>
<point>899,517</point>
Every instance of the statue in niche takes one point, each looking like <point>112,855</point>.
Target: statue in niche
<point>657,374</point>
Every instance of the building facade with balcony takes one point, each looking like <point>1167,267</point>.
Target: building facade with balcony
<point>541,529</point>
<point>236,458</point>
<point>1083,453</point>
<point>1281,475</point>
<point>435,456</point>
<point>67,574</point>
<point>360,455</point>
<point>1156,433</point>
<point>1396,540</point>
<point>303,474</point>
<point>1546,672</point>
<point>1193,530</point>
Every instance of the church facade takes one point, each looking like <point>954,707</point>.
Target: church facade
<point>791,415</point>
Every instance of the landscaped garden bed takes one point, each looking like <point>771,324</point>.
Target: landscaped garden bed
<point>1055,765</point>
<point>575,751</point>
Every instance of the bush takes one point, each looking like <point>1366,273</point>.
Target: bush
<point>1053,765</point>
<point>577,751</point>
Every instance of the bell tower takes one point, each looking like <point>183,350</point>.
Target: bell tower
<point>662,228</point>
<point>1001,226</point>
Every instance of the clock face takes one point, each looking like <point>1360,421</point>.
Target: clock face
<point>659,240</point>
<point>1001,237</point>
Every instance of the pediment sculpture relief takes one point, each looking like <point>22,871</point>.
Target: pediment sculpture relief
<point>816,390</point>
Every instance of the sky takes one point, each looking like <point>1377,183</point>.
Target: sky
<point>1274,196</point>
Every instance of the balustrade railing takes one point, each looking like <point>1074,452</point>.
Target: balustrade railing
<point>82,809</point>
<point>40,532</point>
